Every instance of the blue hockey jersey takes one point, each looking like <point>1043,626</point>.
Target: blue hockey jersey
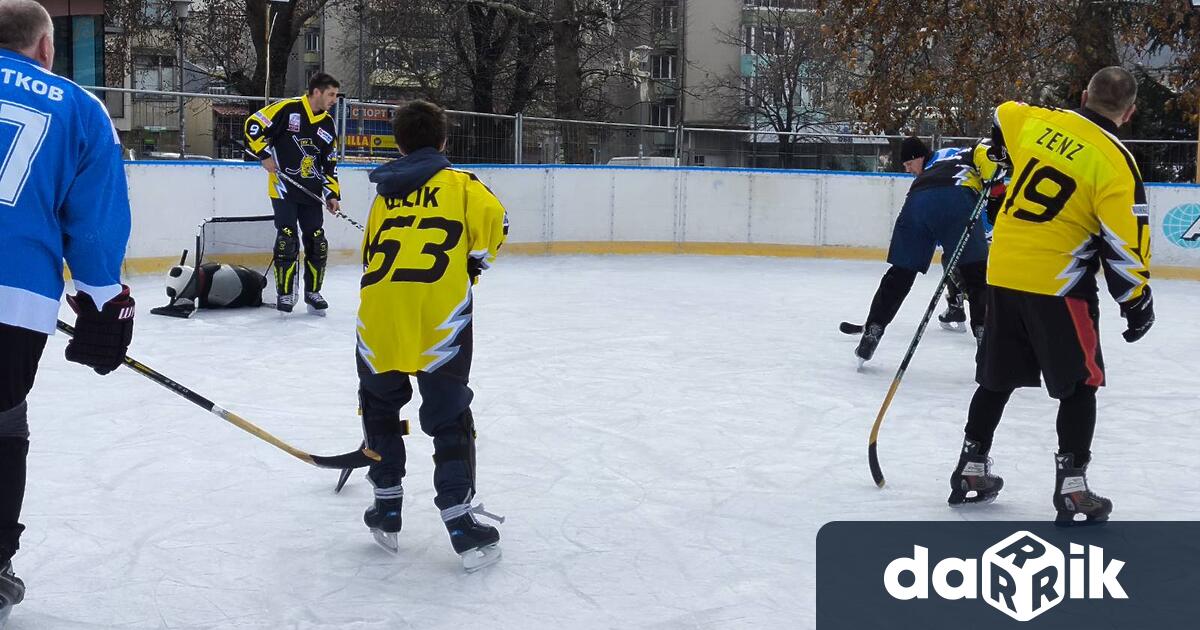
<point>62,194</point>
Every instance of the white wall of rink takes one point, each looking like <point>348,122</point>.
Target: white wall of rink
<point>814,212</point>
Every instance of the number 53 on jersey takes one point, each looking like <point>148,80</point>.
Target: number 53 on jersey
<point>419,254</point>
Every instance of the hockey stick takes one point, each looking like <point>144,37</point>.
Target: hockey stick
<point>872,451</point>
<point>285,177</point>
<point>354,459</point>
<point>338,213</point>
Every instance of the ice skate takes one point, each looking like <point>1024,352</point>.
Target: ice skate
<point>954,318</point>
<point>384,520</point>
<point>315,303</point>
<point>478,545</point>
<point>1073,499</point>
<point>12,591</point>
<point>285,303</point>
<point>972,480</point>
<point>867,344</point>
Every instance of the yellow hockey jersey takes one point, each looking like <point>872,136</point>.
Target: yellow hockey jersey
<point>1075,203</point>
<point>427,240</point>
<point>304,145</point>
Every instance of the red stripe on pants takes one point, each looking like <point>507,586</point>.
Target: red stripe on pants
<point>1085,330</point>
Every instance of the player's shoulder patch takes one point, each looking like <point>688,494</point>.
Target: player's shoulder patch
<point>262,119</point>
<point>324,135</point>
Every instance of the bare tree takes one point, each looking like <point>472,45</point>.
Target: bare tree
<point>946,61</point>
<point>789,76</point>
<point>227,38</point>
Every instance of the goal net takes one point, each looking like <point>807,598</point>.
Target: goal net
<point>247,240</point>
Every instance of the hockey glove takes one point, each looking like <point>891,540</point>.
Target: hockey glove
<point>995,200</point>
<point>1139,316</point>
<point>474,269</point>
<point>101,336</point>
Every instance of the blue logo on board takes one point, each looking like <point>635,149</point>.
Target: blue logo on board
<point>1182,225</point>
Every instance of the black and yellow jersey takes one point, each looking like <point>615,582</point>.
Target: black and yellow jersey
<point>304,145</point>
<point>1076,203</point>
<point>427,240</point>
<point>969,167</point>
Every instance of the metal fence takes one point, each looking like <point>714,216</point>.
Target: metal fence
<point>150,128</point>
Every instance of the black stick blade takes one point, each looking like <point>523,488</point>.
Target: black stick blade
<point>355,459</point>
<point>342,479</point>
<point>345,475</point>
<point>873,459</point>
<point>850,329</point>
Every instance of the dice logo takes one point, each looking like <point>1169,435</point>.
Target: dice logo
<point>1023,576</point>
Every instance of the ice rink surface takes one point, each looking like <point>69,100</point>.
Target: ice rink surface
<point>665,435</point>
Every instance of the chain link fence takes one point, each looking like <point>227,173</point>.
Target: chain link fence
<point>150,124</point>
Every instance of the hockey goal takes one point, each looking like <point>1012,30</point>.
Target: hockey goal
<point>244,240</point>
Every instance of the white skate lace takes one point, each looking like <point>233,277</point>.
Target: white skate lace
<point>394,492</point>
<point>462,509</point>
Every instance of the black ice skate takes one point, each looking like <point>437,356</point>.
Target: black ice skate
<point>478,545</point>
<point>316,304</point>
<point>285,302</point>
<point>872,333</point>
<point>1073,499</point>
<point>12,591</point>
<point>384,518</point>
<point>972,480</point>
<point>954,317</point>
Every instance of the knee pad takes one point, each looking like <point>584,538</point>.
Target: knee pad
<point>455,441</point>
<point>14,423</point>
<point>974,275</point>
<point>899,279</point>
<point>287,247</point>
<point>316,247</point>
<point>384,424</point>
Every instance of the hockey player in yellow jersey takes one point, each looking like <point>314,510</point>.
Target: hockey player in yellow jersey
<point>1076,204</point>
<point>297,137</point>
<point>432,231</point>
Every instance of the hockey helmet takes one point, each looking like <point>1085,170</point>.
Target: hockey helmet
<point>179,281</point>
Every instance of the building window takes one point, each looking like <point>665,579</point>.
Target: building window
<point>312,41</point>
<point>153,73</point>
<point>781,4</point>
<point>666,16</point>
<point>662,113</point>
<point>760,40</point>
<point>813,93</point>
<point>157,13</point>
<point>662,66</point>
<point>389,59</point>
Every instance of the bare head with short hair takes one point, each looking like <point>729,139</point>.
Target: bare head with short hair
<point>419,125</point>
<point>1112,92</point>
<point>26,28</point>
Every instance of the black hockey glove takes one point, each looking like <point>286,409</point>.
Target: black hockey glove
<point>101,336</point>
<point>1139,316</point>
<point>995,195</point>
<point>474,268</point>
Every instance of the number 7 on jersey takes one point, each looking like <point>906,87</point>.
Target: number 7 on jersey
<point>30,131</point>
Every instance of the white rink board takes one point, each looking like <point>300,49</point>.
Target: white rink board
<point>562,204</point>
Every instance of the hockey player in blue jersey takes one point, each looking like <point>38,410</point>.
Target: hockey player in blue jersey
<point>63,195</point>
<point>935,212</point>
